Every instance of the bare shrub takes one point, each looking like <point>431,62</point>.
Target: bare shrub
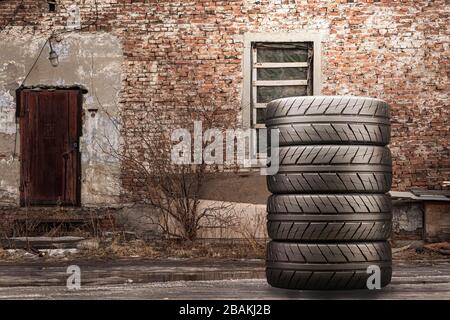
<point>150,177</point>
<point>252,230</point>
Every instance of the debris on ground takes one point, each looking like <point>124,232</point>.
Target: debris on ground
<point>440,247</point>
<point>112,248</point>
<point>40,242</point>
<point>89,244</point>
<point>400,249</point>
<point>117,247</point>
<point>416,250</point>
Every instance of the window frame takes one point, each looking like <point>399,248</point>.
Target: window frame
<point>266,83</point>
<point>249,72</point>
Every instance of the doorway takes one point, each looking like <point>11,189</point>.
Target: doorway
<point>50,130</point>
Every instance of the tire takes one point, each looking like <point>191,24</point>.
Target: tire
<point>329,120</point>
<point>355,217</point>
<point>332,169</point>
<point>330,266</point>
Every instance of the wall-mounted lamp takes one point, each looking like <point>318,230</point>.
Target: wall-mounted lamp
<point>93,112</point>
<point>52,56</point>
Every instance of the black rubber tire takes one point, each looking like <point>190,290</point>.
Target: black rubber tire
<point>330,120</point>
<point>328,266</point>
<point>332,169</point>
<point>355,217</point>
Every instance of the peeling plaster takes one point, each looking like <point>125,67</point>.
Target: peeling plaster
<point>92,60</point>
<point>407,217</point>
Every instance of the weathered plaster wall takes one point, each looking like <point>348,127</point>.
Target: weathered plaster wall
<point>407,220</point>
<point>91,60</point>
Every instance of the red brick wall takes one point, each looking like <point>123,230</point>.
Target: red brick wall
<point>394,50</point>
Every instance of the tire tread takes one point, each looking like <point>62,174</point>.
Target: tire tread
<point>334,256</point>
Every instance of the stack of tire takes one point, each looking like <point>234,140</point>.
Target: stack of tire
<point>329,216</point>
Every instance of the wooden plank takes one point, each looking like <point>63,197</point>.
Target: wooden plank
<point>40,242</point>
<point>24,149</point>
<point>52,141</point>
<point>73,159</point>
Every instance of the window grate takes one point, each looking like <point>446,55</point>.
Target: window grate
<point>279,70</point>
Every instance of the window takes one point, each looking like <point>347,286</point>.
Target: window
<point>278,65</point>
<point>279,70</point>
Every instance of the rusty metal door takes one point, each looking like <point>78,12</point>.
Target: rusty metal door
<point>50,127</point>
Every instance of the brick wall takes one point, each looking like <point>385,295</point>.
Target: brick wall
<point>174,50</point>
